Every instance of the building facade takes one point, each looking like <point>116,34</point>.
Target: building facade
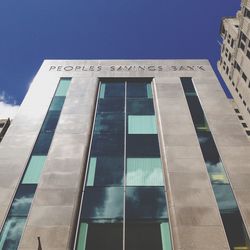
<point>116,154</point>
<point>234,64</point>
<point>4,125</point>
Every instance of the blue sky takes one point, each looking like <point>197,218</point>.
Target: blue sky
<point>31,31</point>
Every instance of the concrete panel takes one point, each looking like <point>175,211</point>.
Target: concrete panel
<point>50,216</point>
<point>50,237</point>
<point>197,216</point>
<point>186,165</point>
<point>174,152</point>
<point>201,237</point>
<point>55,197</point>
<point>179,139</point>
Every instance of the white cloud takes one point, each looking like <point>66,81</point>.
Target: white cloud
<point>8,107</point>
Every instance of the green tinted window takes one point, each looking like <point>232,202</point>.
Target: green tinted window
<point>144,172</point>
<point>34,169</point>
<point>63,87</point>
<point>142,124</point>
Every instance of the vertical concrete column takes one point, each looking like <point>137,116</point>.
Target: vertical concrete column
<point>18,142</point>
<point>54,210</point>
<point>194,216</point>
<point>231,141</point>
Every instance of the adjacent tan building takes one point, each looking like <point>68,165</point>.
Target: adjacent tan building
<point>234,64</point>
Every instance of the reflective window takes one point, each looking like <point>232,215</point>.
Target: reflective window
<point>144,172</point>
<point>109,123</point>
<point>34,169</point>
<point>139,202</point>
<point>105,171</point>
<point>140,106</point>
<point>50,121</point>
<point>103,203</point>
<point>43,144</point>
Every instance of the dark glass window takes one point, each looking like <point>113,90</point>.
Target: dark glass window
<point>139,202</point>
<point>43,144</point>
<point>244,125</point>
<point>22,200</point>
<point>144,236</point>
<point>137,106</point>
<point>240,117</point>
<point>138,90</point>
<point>103,236</point>
<point>236,110</point>
<point>139,145</point>
<point>109,123</point>
<point>111,105</point>
<point>244,76</point>
<point>57,103</point>
<point>51,121</point>
<point>105,171</point>
<point>108,145</point>
<point>102,203</point>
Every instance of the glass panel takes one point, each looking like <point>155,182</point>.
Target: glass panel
<point>225,198</point>
<point>11,233</point>
<point>165,236</point>
<point>144,172</point>
<point>103,203</point>
<point>102,91</point>
<point>149,91</point>
<point>111,105</point>
<point>63,87</point>
<point>113,90</point>
<point>82,238</point>
<point>137,90</point>
<point>34,169</point>
<point>139,202</point>
<point>109,123</point>
<point>108,145</point>
<point>50,121</point>
<point>43,144</point>
<point>104,236</point>
<point>142,146</point>
<point>106,171</point>
<point>140,106</point>
<point>143,236</point>
<point>22,200</point>
<point>57,103</point>
<point>141,124</point>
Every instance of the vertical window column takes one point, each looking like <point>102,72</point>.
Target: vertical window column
<point>101,220</point>
<point>146,225</point>
<point>16,218</point>
<point>229,211</point>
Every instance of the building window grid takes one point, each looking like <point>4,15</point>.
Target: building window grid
<point>125,186</point>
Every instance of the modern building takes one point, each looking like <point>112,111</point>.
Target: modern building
<point>125,155</point>
<point>4,125</point>
<point>234,64</point>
